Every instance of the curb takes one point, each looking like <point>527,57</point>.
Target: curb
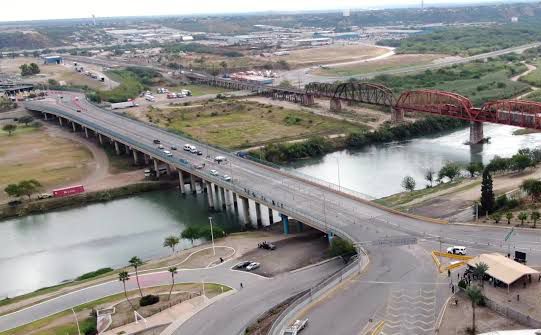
<point>314,265</point>
<point>490,226</point>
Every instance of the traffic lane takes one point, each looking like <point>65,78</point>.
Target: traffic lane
<point>221,274</point>
<point>349,309</point>
<point>232,313</point>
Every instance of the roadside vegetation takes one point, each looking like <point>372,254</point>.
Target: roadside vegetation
<point>468,41</point>
<point>6,104</point>
<point>133,80</point>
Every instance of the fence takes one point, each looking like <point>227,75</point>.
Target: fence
<point>513,314</point>
<point>314,293</point>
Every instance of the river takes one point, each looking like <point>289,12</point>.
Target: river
<point>43,250</point>
<point>378,170</point>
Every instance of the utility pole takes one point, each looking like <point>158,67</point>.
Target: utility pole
<point>76,321</point>
<point>212,236</point>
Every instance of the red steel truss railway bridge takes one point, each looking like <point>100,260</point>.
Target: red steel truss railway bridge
<point>519,113</point>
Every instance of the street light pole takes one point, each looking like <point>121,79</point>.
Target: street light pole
<point>76,321</point>
<point>212,236</point>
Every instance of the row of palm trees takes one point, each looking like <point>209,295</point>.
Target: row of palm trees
<point>474,293</point>
<point>136,262</point>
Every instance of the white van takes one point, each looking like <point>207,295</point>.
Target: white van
<point>187,147</point>
<point>456,250</point>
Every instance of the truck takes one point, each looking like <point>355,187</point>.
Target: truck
<point>125,104</point>
<point>296,327</point>
<point>66,191</point>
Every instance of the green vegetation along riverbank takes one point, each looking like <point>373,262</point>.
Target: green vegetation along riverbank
<point>317,146</point>
<point>45,205</point>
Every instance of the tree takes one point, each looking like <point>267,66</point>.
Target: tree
<point>480,271</point>
<point>475,296</point>
<point>535,215</point>
<point>532,187</point>
<point>496,217</point>
<point>429,176</point>
<point>520,162</point>
<point>487,194</point>
<point>173,271</point>
<point>449,170</point>
<point>474,167</point>
<point>171,241</point>
<point>10,128</point>
<point>509,216</point>
<point>408,183</point>
<point>29,187</point>
<point>223,64</point>
<point>124,276</point>
<point>522,216</point>
<point>136,262</point>
<point>26,120</point>
<point>13,190</point>
<point>34,68</point>
<point>28,70</point>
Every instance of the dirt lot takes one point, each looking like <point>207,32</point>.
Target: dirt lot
<point>393,62</point>
<point>240,124</point>
<point>330,54</point>
<point>290,254</point>
<point>458,317</point>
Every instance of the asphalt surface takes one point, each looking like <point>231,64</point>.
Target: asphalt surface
<point>315,203</point>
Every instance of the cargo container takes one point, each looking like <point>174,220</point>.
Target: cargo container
<point>126,104</point>
<point>66,191</point>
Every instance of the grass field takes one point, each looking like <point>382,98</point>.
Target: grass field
<point>234,124</point>
<point>330,54</point>
<point>62,323</point>
<point>32,154</point>
<point>393,62</point>
<point>533,78</point>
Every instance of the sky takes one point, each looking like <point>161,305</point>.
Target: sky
<point>59,9</point>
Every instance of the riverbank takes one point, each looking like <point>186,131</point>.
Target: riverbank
<point>36,206</point>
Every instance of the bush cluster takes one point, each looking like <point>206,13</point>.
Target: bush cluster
<point>148,300</point>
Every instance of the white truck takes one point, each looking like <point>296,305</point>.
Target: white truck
<point>296,327</point>
<point>125,104</point>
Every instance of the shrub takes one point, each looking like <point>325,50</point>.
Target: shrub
<point>148,300</point>
<point>94,274</point>
<point>462,284</point>
<point>341,247</point>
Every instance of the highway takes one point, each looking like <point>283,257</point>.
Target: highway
<point>313,202</point>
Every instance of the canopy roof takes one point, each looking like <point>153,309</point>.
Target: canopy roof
<point>502,268</point>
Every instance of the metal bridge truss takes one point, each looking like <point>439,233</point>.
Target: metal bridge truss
<point>374,94</point>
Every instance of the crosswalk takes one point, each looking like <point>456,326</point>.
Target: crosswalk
<point>410,310</point>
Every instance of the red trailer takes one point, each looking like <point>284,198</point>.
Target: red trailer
<point>63,192</point>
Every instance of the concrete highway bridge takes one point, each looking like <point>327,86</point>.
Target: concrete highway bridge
<point>520,113</point>
<point>288,195</point>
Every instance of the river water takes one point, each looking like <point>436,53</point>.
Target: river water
<point>378,170</point>
<point>43,250</point>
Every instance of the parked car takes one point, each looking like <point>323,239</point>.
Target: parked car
<point>45,196</point>
<point>214,172</point>
<point>242,265</point>
<point>296,327</point>
<point>456,250</point>
<point>226,177</point>
<point>174,147</point>
<point>266,245</point>
<point>252,266</point>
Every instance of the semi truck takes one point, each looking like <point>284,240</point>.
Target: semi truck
<point>125,104</point>
<point>66,191</point>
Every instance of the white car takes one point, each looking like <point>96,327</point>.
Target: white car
<point>214,172</point>
<point>160,147</point>
<point>252,266</point>
<point>296,327</point>
<point>456,250</point>
<point>168,153</point>
<point>219,159</point>
<point>193,150</point>
<point>226,177</point>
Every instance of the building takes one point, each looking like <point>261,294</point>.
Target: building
<point>313,41</point>
<point>53,60</point>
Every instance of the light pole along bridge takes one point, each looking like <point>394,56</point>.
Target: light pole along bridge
<point>519,113</point>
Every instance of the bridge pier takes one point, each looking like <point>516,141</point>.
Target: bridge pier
<point>127,149</point>
<point>45,117</point>
<point>308,99</point>
<point>210,194</point>
<point>180,181</point>
<point>222,197</point>
<point>192,184</point>
<point>259,219</point>
<point>335,105</point>
<point>476,132</point>
<point>74,126</point>
<point>60,121</point>
<point>330,236</point>
<point>86,132</point>
<point>265,215</point>
<point>397,115</point>
<point>117,148</point>
<point>146,158</point>
<point>244,209</point>
<point>285,223</point>
<point>156,168</point>
<point>100,138</point>
<point>135,157</point>
<point>300,227</point>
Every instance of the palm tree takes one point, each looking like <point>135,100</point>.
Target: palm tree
<point>136,262</point>
<point>171,241</point>
<point>173,271</point>
<point>124,276</point>
<point>535,215</point>
<point>480,270</point>
<point>509,217</point>
<point>475,296</point>
<point>522,216</point>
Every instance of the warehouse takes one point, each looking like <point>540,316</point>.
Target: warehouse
<point>53,60</point>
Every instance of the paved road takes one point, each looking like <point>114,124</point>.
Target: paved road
<point>312,202</point>
<point>290,284</point>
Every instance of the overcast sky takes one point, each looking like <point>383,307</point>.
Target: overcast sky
<point>56,9</point>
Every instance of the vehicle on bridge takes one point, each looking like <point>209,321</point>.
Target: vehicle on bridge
<point>226,177</point>
<point>214,173</point>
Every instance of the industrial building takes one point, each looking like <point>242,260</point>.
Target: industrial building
<point>53,60</point>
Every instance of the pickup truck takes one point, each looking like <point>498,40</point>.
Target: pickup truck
<point>296,327</point>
